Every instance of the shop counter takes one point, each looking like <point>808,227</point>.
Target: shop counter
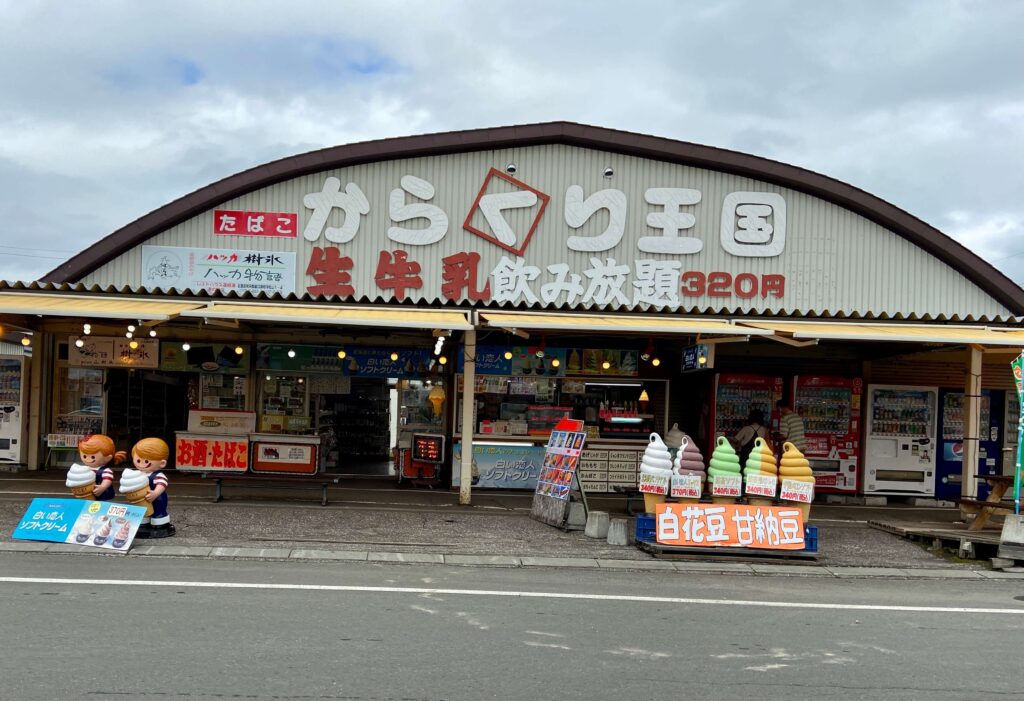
<point>211,452</point>
<point>514,462</point>
<point>284,454</point>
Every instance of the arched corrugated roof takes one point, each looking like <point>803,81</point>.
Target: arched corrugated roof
<point>922,235</point>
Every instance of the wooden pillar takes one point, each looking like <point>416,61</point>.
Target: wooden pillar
<point>468,406</point>
<point>972,426</point>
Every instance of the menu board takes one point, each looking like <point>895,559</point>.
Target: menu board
<point>561,458</point>
<point>428,447</point>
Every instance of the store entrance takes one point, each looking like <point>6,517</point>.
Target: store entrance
<point>145,404</point>
<point>356,429</point>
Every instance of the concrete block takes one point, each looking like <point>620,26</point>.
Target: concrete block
<point>922,501</point>
<point>876,501</point>
<point>560,562</point>
<point>1001,563</point>
<point>636,565</point>
<point>943,574</point>
<point>416,558</point>
<point>843,500</point>
<point>577,515</point>
<point>966,550</point>
<point>618,532</point>
<point>483,560</point>
<point>250,553</point>
<point>314,554</point>
<point>597,524</point>
<point>1013,530</point>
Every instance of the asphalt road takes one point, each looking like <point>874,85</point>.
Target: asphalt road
<point>73,627</point>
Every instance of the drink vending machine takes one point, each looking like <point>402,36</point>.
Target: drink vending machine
<point>950,456</point>
<point>13,408</point>
<point>736,395</point>
<point>899,440</point>
<point>830,408</point>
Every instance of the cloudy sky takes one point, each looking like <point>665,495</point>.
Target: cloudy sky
<point>111,109</point>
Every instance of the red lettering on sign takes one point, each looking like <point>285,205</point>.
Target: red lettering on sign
<point>396,272</point>
<point>330,269</point>
<point>694,283</point>
<point>460,273</point>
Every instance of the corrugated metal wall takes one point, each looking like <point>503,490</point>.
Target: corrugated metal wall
<point>940,372</point>
<point>834,261</point>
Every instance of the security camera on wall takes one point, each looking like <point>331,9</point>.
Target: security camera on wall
<point>608,172</point>
<point>511,168</point>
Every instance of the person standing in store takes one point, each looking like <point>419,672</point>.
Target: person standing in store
<point>743,441</point>
<point>791,426</point>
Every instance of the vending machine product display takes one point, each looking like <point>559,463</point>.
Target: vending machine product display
<point>736,395</point>
<point>830,408</point>
<point>900,440</point>
<point>950,456</point>
<point>13,409</point>
<point>1011,415</point>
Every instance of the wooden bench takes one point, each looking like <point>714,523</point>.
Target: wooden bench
<point>258,481</point>
<point>985,510</point>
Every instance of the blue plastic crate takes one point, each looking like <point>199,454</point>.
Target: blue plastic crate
<point>811,539</point>
<point>645,527</point>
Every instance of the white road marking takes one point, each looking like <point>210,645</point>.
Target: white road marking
<point>638,652</point>
<point>513,595</point>
<point>424,609</point>
<point>766,667</point>
<point>550,635</point>
<point>552,645</point>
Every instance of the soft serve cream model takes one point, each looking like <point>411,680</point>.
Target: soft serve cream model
<point>81,481</point>
<point>657,462</point>
<point>761,461</point>
<point>689,461</point>
<point>794,466</point>
<point>134,487</point>
<point>724,463</point>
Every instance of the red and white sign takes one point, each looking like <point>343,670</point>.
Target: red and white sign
<point>198,453</point>
<point>230,222</point>
<point>686,486</point>
<point>762,485</point>
<point>653,484</point>
<point>793,490</point>
<point>730,526</point>
<point>727,486</point>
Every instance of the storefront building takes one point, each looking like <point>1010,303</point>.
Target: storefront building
<point>318,312</point>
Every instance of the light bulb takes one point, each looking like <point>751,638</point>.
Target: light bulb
<point>606,365</point>
<point>133,344</point>
<point>239,350</point>
<point>152,333</point>
<point>702,360</point>
<point>79,343</point>
<point>508,355</point>
<point>129,334</point>
<point>291,352</point>
<point>342,354</point>
<point>443,360</point>
<point>186,346</point>
<point>655,362</point>
<point>26,341</point>
<point>394,356</point>
<point>131,328</point>
<point>87,329</point>
<point>555,363</point>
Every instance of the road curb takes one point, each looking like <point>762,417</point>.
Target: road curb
<point>516,562</point>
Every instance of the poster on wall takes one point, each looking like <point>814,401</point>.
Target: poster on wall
<point>358,361</point>
<point>553,362</point>
<point>501,466</point>
<point>113,352</point>
<point>203,357</point>
<point>224,269</point>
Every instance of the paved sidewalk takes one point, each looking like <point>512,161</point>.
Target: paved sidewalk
<point>374,522</point>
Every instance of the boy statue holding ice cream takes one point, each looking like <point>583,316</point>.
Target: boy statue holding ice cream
<point>149,457</point>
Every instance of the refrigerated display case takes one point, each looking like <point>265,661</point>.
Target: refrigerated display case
<point>736,395</point>
<point>900,440</point>
<point>13,408</point>
<point>950,455</point>
<point>830,408</point>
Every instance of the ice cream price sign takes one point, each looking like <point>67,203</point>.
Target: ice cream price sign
<point>727,486</point>
<point>655,484</point>
<point>97,524</point>
<point>793,490</point>
<point>686,486</point>
<point>762,485</point>
<point>730,526</point>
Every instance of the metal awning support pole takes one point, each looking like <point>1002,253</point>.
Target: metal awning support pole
<point>972,412</point>
<point>468,406</point>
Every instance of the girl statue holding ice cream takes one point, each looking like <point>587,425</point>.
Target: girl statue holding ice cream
<point>95,452</point>
<point>149,457</point>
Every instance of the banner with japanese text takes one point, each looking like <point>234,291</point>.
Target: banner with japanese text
<point>730,526</point>
<point>225,269</point>
<point>501,466</point>
<point>99,524</point>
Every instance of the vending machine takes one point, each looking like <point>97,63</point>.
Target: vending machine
<point>830,408</point>
<point>950,456</point>
<point>13,408</point>
<point>899,440</point>
<point>1011,415</point>
<point>736,395</point>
